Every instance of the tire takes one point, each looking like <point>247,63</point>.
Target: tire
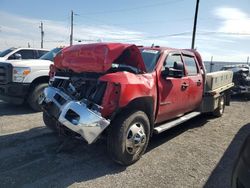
<point>49,122</point>
<point>128,137</point>
<point>34,96</point>
<point>218,112</point>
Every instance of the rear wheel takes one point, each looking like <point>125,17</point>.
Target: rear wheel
<point>128,137</point>
<point>221,107</point>
<point>35,95</point>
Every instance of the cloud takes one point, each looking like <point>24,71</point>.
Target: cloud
<point>234,21</point>
<point>19,31</point>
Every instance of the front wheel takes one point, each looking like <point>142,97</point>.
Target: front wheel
<point>35,95</point>
<point>49,122</point>
<point>221,107</point>
<point>128,137</point>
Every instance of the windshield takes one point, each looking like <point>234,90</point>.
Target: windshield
<point>51,54</point>
<point>150,58</point>
<point>5,52</point>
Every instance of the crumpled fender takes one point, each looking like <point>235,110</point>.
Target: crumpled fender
<point>123,87</point>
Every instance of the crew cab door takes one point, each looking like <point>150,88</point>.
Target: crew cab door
<point>195,80</point>
<point>173,95</point>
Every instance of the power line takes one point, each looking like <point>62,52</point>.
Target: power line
<point>134,8</point>
<point>134,23</point>
<point>187,33</point>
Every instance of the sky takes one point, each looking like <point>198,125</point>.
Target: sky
<point>223,28</point>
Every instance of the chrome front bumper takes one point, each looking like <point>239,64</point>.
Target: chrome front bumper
<point>76,115</point>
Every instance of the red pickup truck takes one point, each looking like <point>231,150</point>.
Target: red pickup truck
<point>127,93</point>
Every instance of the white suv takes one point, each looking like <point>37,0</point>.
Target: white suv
<point>21,53</point>
<point>24,80</point>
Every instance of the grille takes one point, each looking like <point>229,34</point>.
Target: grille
<point>5,73</point>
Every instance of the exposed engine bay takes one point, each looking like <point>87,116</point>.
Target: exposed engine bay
<point>81,86</point>
<point>75,100</point>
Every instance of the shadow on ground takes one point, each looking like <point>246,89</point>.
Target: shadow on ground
<point>33,158</point>
<point>198,121</point>
<point>11,109</point>
<point>221,175</point>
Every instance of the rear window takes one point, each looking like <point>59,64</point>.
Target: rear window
<point>51,54</point>
<point>41,53</point>
<point>190,65</point>
<point>150,58</point>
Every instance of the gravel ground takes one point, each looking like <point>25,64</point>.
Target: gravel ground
<point>198,153</point>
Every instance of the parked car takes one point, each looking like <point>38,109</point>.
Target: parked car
<point>241,78</point>
<point>129,93</point>
<point>241,172</point>
<point>22,53</point>
<point>25,80</point>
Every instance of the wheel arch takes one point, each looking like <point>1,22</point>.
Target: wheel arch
<point>145,104</point>
<point>39,80</point>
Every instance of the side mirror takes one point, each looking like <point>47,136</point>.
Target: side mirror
<point>15,56</point>
<point>171,72</point>
<point>18,56</point>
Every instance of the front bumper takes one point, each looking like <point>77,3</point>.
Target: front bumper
<point>14,92</point>
<point>78,116</point>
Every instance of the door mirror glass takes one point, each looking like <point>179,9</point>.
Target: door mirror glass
<point>18,56</point>
<point>176,71</point>
<point>15,56</point>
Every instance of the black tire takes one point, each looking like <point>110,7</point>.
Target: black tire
<point>49,122</point>
<point>218,112</point>
<point>132,128</point>
<point>34,96</point>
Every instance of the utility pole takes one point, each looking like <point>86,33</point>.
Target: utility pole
<point>71,28</point>
<point>42,34</point>
<point>195,23</point>
<point>247,59</point>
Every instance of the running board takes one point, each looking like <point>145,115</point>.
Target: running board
<point>169,125</point>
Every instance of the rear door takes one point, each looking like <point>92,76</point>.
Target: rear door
<point>195,80</point>
<point>173,99</point>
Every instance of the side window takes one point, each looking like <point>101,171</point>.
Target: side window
<point>191,65</point>
<point>26,54</point>
<point>41,53</point>
<point>173,66</point>
<point>170,60</point>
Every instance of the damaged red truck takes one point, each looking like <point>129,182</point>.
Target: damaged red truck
<point>126,93</point>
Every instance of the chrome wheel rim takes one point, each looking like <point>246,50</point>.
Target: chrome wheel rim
<point>221,105</point>
<point>135,138</point>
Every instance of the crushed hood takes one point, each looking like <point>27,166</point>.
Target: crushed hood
<point>98,57</point>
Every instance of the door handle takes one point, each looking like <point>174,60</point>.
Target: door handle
<point>198,82</point>
<point>184,85</point>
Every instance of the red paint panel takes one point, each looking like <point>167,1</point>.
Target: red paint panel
<point>131,87</point>
<point>98,57</point>
<point>110,100</point>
